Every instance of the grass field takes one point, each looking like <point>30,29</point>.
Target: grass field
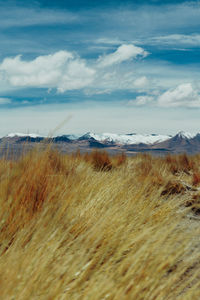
<point>98,227</point>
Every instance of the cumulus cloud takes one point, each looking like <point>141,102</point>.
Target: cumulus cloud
<point>4,100</point>
<point>61,70</point>
<point>184,95</point>
<point>123,53</point>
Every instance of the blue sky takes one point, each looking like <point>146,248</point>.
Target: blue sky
<point>105,66</point>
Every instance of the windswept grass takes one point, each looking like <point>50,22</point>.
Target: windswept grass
<point>98,227</point>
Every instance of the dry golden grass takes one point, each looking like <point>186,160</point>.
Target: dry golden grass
<point>99,227</point>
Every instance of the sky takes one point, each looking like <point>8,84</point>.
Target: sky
<point>102,66</point>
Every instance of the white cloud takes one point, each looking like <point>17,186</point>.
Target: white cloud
<point>141,100</point>
<point>123,53</point>
<point>184,95</point>
<point>4,101</point>
<point>18,16</point>
<point>108,41</point>
<point>177,40</point>
<point>61,70</point>
<point>141,82</point>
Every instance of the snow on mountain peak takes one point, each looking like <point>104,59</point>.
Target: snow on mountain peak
<point>128,138</point>
<point>186,135</point>
<point>16,134</point>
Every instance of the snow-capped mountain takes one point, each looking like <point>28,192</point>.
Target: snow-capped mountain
<point>123,139</point>
<point>181,142</point>
<point>185,135</point>
<point>131,143</point>
<point>16,134</point>
<point>35,135</point>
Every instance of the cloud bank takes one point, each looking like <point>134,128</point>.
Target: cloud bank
<point>65,70</point>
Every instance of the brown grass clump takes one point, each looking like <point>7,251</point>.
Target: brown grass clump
<point>180,163</point>
<point>101,161</point>
<point>69,229</point>
<point>196,178</point>
<point>173,187</point>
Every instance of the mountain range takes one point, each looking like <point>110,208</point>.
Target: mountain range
<point>129,143</point>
